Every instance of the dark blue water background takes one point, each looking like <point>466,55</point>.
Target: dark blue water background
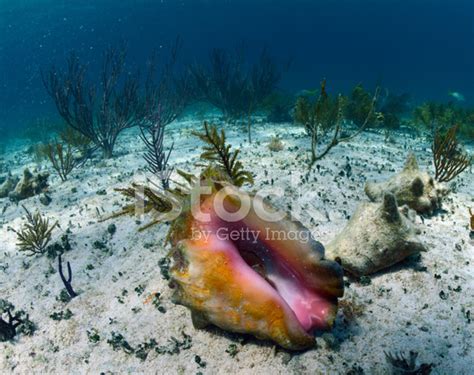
<point>423,47</point>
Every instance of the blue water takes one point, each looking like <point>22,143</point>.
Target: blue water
<point>422,47</point>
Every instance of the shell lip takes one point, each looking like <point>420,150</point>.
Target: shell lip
<point>292,262</point>
<point>313,310</point>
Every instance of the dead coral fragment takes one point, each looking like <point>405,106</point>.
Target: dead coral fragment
<point>412,187</point>
<point>448,158</point>
<point>401,365</point>
<point>8,185</point>
<point>29,186</point>
<point>376,237</point>
<point>35,234</point>
<point>218,152</point>
<point>276,144</point>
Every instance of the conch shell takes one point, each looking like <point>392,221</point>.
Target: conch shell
<point>411,187</point>
<point>252,275</point>
<point>377,236</point>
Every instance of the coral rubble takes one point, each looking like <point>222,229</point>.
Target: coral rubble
<point>29,186</point>
<point>8,185</point>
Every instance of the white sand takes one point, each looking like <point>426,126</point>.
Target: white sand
<point>399,311</point>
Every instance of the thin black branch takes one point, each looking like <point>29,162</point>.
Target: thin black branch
<point>165,99</point>
<point>66,281</point>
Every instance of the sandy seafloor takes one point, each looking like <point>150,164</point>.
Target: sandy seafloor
<point>401,310</point>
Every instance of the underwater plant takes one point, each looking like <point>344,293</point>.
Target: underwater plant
<point>427,116</point>
<point>223,83</point>
<point>165,99</point>
<point>167,91</point>
<point>359,104</point>
<point>99,114</point>
<point>325,114</point>
<point>147,200</point>
<point>390,108</point>
<point>233,86</point>
<point>466,126</point>
<point>439,118</point>
<point>279,105</point>
<point>66,281</point>
<point>400,365</point>
<point>77,141</point>
<point>61,157</point>
<point>35,235</point>
<point>156,157</point>
<point>448,157</point>
<point>12,323</point>
<point>70,151</point>
<point>386,115</point>
<point>221,164</point>
<point>218,152</point>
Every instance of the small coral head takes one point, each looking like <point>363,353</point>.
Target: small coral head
<point>252,275</point>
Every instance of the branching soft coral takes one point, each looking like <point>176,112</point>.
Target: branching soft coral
<point>218,152</point>
<point>100,115</point>
<point>448,157</point>
<point>326,114</point>
<point>35,235</point>
<point>222,164</point>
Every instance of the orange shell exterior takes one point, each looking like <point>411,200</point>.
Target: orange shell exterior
<point>213,283</point>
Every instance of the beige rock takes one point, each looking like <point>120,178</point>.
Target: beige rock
<point>29,186</point>
<point>377,236</point>
<point>8,185</point>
